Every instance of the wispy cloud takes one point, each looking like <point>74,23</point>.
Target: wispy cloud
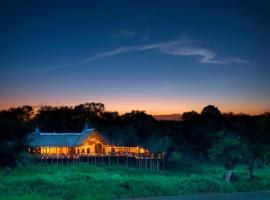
<point>128,35</point>
<point>181,48</point>
<point>175,48</point>
<point>239,60</point>
<point>122,35</point>
<point>126,49</point>
<point>205,55</point>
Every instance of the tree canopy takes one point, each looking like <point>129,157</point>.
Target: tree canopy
<point>210,135</point>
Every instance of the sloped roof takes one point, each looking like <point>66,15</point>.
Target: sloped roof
<point>38,139</point>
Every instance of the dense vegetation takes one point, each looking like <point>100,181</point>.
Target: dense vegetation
<point>88,182</point>
<point>210,136</point>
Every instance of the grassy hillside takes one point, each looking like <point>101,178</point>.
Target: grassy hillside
<point>86,182</point>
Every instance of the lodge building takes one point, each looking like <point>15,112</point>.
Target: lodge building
<point>88,142</point>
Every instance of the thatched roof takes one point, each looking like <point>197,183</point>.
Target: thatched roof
<point>39,139</point>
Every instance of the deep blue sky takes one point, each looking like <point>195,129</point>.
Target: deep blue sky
<point>159,56</point>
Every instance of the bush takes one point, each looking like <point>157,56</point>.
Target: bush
<point>7,156</point>
<point>87,182</point>
<point>180,160</point>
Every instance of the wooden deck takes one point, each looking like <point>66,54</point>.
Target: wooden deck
<point>147,162</point>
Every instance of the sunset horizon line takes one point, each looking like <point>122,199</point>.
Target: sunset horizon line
<point>149,112</point>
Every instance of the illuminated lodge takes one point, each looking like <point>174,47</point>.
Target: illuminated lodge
<point>88,142</point>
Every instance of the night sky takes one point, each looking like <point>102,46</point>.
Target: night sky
<point>163,57</point>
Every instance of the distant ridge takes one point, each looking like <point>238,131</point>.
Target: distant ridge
<point>173,117</point>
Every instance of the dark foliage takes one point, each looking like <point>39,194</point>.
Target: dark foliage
<point>191,138</point>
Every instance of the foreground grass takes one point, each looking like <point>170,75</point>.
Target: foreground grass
<point>86,182</point>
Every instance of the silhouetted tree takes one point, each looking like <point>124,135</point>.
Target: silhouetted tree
<point>229,150</point>
<point>14,128</point>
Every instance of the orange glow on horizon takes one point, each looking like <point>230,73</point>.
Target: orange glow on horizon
<point>158,106</point>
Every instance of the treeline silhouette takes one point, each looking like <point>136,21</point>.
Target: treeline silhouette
<point>210,135</point>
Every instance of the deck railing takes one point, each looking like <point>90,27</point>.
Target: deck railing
<point>143,161</point>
